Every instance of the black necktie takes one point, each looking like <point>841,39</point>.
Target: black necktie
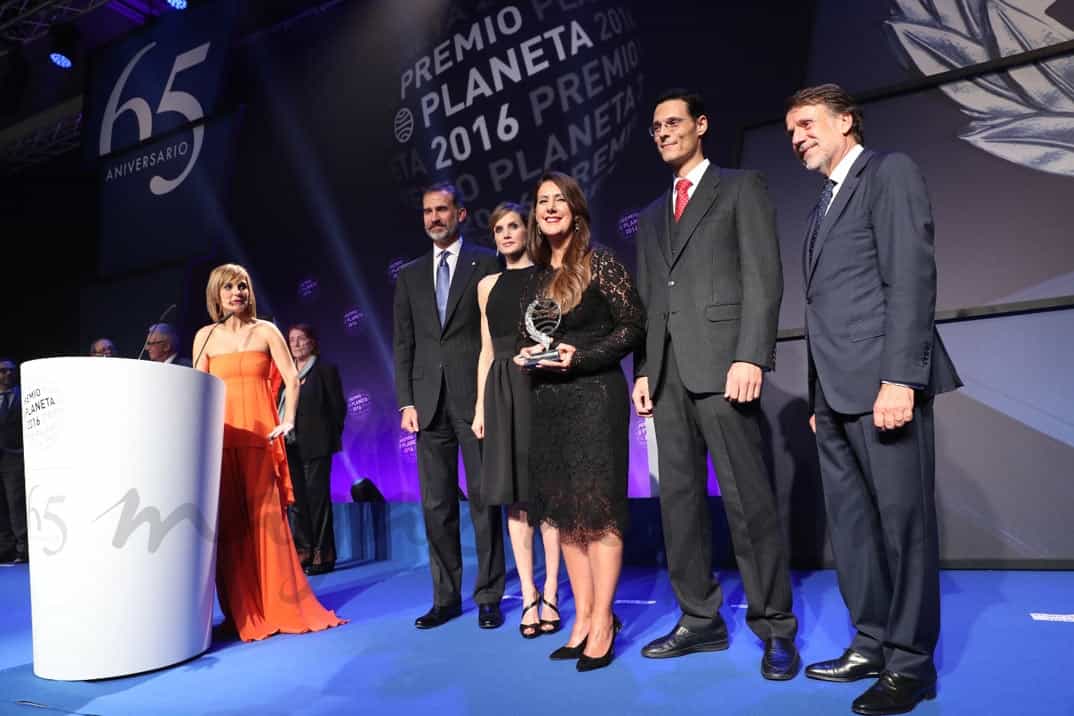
<point>818,215</point>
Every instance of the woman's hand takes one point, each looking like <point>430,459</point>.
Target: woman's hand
<point>281,429</point>
<point>478,426</point>
<point>563,363</point>
<point>524,354</point>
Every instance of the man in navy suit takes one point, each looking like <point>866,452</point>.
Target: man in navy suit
<point>875,363</point>
<point>437,337</point>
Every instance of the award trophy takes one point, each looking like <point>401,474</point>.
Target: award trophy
<point>542,319</point>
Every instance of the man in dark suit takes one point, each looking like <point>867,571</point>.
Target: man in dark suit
<point>13,547</point>
<point>437,342</point>
<point>162,345</point>
<point>875,363</point>
<point>709,275</point>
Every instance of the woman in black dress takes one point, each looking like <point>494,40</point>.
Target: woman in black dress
<point>310,446</point>
<point>502,419</point>
<point>581,410</point>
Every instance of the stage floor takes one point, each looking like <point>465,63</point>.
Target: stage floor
<point>994,656</point>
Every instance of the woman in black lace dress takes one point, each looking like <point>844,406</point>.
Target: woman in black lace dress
<point>502,419</point>
<point>581,410</point>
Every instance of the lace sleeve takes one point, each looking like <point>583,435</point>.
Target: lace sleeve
<point>628,319</point>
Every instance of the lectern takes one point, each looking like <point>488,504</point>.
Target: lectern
<point>122,487</point>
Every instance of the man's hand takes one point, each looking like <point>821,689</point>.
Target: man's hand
<point>643,405</point>
<point>894,406</point>
<point>743,382</point>
<point>813,423</point>
<point>409,421</point>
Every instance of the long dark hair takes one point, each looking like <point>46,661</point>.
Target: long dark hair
<point>570,282</point>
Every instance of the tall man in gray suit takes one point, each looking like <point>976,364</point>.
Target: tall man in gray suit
<point>709,275</point>
<point>437,337</point>
<point>875,363</point>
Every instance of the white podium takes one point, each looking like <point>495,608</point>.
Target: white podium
<point>122,488</point>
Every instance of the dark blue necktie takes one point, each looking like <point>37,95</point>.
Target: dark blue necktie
<point>443,284</point>
<point>818,215</point>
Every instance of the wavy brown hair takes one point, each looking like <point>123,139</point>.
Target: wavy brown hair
<point>571,280</point>
<point>836,99</point>
<point>219,276</point>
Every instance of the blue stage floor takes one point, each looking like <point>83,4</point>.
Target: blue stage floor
<point>994,658</point>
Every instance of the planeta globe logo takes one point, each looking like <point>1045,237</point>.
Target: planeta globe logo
<point>172,100</point>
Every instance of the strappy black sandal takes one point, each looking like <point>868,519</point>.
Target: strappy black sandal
<point>530,631</point>
<point>550,626</point>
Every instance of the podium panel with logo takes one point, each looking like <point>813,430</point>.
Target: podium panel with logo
<point>122,488</point>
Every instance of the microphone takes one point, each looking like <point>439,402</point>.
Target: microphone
<point>164,315</point>
<point>203,346</point>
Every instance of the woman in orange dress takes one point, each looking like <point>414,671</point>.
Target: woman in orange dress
<point>259,578</point>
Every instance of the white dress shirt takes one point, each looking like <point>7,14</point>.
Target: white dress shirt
<point>839,174</point>
<point>694,175</point>
<point>452,259</point>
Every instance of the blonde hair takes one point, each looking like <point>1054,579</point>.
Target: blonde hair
<point>219,276</point>
<point>570,282</point>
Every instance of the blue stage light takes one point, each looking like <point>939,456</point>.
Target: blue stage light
<point>60,60</point>
<point>178,4</point>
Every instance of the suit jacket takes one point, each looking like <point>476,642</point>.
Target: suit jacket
<point>427,355</point>
<point>11,430</point>
<point>718,295</point>
<point>320,412</point>
<point>871,288</point>
<point>183,361</point>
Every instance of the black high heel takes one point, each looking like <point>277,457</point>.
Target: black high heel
<point>534,629</point>
<point>590,663</point>
<point>566,653</point>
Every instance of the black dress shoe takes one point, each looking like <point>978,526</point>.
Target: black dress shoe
<point>893,694</point>
<point>851,666</point>
<point>438,615</point>
<point>683,640</point>
<point>489,616</point>
<point>780,661</point>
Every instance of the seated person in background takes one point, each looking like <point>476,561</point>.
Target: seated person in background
<point>162,345</point>
<point>102,348</point>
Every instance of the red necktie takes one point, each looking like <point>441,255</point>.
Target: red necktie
<point>682,186</point>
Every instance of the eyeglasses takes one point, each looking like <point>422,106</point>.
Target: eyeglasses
<point>154,343</point>
<point>672,123</point>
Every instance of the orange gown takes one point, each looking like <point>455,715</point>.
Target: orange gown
<point>259,578</point>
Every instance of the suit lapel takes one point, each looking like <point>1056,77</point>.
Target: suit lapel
<point>665,226</point>
<point>699,205</point>
<point>464,268</point>
<point>424,290</point>
<point>850,185</point>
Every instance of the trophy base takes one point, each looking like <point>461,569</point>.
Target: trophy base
<point>533,360</point>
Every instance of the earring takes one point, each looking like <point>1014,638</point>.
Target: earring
<point>577,224</point>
